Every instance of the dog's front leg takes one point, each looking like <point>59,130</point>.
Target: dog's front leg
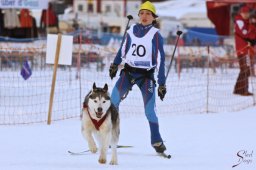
<point>88,136</point>
<point>104,141</point>
<point>114,141</point>
<point>114,154</point>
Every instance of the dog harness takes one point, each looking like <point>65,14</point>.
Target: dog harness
<point>96,123</point>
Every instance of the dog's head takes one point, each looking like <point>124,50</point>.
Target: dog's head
<point>98,101</point>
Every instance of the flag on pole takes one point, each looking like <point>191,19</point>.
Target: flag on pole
<point>26,71</point>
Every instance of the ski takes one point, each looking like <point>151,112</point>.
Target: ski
<point>123,146</point>
<point>78,153</point>
<point>85,151</point>
<point>164,155</point>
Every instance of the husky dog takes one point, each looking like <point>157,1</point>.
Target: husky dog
<point>101,119</point>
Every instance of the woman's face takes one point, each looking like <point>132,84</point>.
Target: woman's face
<point>146,17</point>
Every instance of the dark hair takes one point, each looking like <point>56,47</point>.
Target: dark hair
<point>155,23</point>
<point>154,15</point>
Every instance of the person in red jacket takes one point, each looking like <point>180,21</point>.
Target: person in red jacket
<point>242,42</point>
<point>49,20</point>
<point>252,32</point>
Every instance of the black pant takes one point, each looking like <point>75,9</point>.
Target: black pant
<point>242,81</point>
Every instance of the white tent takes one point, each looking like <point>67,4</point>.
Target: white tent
<point>179,8</point>
<point>191,13</point>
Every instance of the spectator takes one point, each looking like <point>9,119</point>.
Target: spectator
<point>11,19</point>
<point>49,20</point>
<point>252,32</point>
<point>242,43</point>
<point>26,20</point>
<point>28,27</point>
<point>11,22</point>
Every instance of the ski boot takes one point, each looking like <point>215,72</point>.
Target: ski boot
<point>159,147</point>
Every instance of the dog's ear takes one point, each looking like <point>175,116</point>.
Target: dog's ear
<point>94,86</point>
<point>105,88</point>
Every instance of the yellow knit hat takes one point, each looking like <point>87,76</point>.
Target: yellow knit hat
<point>149,6</point>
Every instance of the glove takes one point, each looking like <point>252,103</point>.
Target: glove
<point>113,70</point>
<point>247,39</point>
<point>161,91</point>
<point>251,41</point>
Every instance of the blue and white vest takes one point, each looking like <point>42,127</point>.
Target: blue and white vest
<point>139,54</point>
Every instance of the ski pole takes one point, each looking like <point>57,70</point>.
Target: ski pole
<point>178,34</point>
<point>129,18</point>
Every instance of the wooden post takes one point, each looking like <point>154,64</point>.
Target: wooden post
<point>208,80</point>
<point>56,61</point>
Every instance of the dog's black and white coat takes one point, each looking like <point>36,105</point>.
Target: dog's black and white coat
<point>101,119</point>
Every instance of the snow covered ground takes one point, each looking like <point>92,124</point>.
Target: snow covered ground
<point>196,142</point>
